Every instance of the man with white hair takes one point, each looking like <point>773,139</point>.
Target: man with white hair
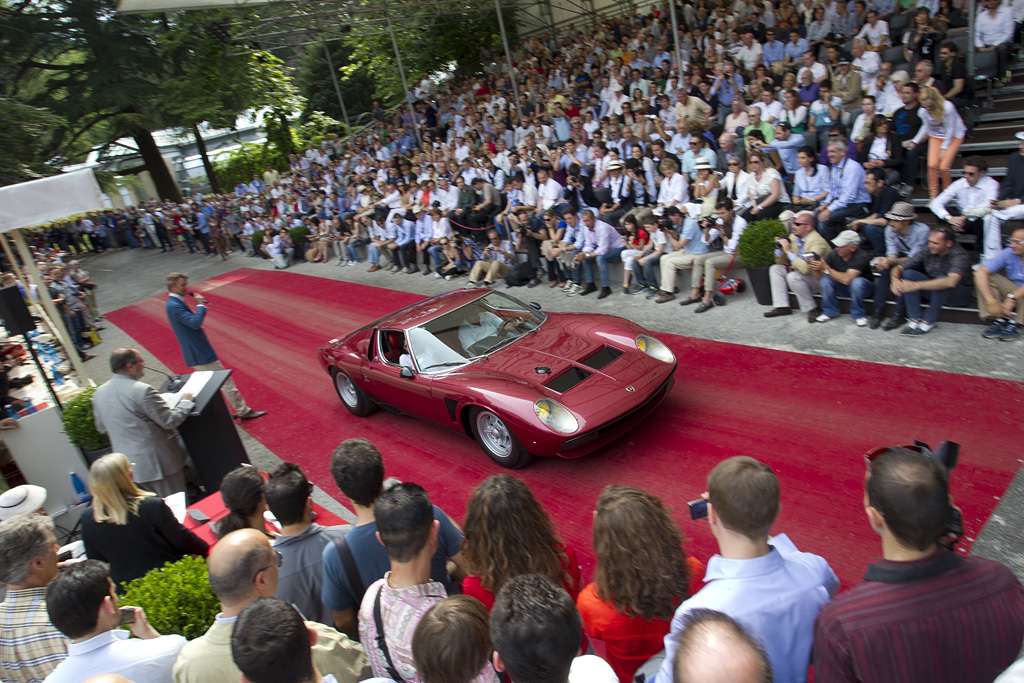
<point>30,645</point>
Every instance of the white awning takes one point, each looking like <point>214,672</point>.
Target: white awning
<point>48,199</point>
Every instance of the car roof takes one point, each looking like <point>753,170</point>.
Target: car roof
<point>428,309</point>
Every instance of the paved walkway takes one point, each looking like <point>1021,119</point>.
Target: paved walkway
<point>126,277</point>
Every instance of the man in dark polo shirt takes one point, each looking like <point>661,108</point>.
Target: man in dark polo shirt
<point>846,271</point>
<point>941,270</point>
<point>906,122</point>
<point>923,613</point>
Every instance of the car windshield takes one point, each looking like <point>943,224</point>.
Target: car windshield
<point>471,331</point>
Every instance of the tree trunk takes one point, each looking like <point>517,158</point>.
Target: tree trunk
<point>162,178</point>
<point>211,175</point>
<point>286,135</point>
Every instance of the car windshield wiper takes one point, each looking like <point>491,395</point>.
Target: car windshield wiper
<point>450,363</point>
<point>497,346</point>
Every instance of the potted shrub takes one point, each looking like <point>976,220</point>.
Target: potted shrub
<point>257,241</point>
<point>756,248</point>
<point>177,597</point>
<point>299,235</point>
<point>80,426</point>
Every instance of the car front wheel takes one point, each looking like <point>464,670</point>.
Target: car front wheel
<point>497,440</point>
<point>351,395</point>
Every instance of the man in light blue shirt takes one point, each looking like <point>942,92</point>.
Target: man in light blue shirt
<point>598,241</point>
<point>773,590</point>
<point>794,50</point>
<point>772,51</point>
<point>847,196</point>
<point>786,144</point>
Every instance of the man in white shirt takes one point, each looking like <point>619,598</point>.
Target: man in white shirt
<point>749,53</point>
<point>773,590</point>
<point>550,195</point>
<point>875,32</point>
<point>817,69</point>
<point>974,194</point>
<point>865,62</point>
<point>993,31</point>
<point>82,604</point>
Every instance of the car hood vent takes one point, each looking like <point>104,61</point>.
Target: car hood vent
<point>573,375</point>
<point>566,380</point>
<point>601,358</point>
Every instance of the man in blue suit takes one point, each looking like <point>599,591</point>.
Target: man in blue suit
<point>195,347</point>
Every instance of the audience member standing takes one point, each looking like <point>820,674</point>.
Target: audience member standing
<point>923,613</point>
<point>764,583</point>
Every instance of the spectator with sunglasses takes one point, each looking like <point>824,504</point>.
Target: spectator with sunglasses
<point>923,611</point>
<point>1000,286</point>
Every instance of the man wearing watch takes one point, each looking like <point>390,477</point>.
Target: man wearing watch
<point>999,283</point>
<point>601,243</point>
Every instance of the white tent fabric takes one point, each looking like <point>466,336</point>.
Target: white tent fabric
<point>48,199</point>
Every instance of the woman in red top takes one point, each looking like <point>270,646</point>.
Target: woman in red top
<point>643,574</point>
<point>507,533</point>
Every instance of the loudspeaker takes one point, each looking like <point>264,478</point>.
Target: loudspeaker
<point>14,312</point>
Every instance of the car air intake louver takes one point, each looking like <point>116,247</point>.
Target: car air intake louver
<point>573,375</point>
<point>601,358</point>
<point>568,379</point>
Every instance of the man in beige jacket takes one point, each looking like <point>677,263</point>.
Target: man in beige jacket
<point>791,269</point>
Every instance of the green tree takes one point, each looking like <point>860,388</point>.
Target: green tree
<point>314,81</point>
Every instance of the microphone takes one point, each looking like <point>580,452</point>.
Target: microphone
<point>175,380</point>
<point>194,295</point>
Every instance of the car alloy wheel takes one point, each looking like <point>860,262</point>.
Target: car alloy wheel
<point>497,440</point>
<point>346,389</point>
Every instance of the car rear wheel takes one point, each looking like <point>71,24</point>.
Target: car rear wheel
<point>353,397</point>
<point>497,440</point>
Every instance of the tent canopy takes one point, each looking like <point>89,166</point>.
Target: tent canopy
<point>48,199</point>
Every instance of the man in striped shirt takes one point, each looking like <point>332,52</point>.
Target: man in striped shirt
<point>923,613</point>
<point>30,646</point>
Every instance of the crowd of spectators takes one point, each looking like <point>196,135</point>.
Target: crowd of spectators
<point>406,595</point>
<point>826,107</point>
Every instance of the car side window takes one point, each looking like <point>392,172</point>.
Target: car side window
<point>393,349</point>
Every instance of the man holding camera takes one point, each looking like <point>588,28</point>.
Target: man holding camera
<point>684,237</point>
<point>923,613</point>
<point>792,269</point>
<point>82,604</point>
<point>773,590</point>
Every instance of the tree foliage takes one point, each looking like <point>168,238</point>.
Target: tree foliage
<point>314,80</point>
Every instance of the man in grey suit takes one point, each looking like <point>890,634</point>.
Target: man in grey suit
<point>728,149</point>
<point>141,424</point>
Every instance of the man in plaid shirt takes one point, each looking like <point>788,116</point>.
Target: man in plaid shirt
<point>30,646</point>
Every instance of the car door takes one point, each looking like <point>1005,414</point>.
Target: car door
<point>408,394</point>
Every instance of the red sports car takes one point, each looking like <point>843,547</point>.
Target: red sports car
<point>522,382</point>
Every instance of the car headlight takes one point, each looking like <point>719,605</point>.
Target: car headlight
<point>655,349</point>
<point>556,416</point>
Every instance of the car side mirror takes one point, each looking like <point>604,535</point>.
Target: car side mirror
<point>534,305</point>
<point>406,372</point>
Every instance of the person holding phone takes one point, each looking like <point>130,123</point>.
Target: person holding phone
<point>792,269</point>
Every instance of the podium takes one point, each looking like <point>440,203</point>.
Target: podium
<point>210,434</point>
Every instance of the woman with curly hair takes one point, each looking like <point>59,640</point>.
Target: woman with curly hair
<point>507,533</point>
<point>643,574</point>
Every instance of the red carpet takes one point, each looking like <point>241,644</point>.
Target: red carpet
<point>810,418</point>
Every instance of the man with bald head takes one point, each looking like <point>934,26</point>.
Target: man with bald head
<point>714,648</point>
<point>242,567</point>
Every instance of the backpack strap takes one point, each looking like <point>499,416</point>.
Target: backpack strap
<point>348,563</point>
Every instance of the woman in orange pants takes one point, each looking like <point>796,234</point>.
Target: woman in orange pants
<point>945,130</point>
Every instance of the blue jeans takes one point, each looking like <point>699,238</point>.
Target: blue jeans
<point>603,260</point>
<point>875,234</point>
<point>437,253</point>
<point>651,270</point>
<point>351,248</point>
<point>831,290</point>
<point>913,299</point>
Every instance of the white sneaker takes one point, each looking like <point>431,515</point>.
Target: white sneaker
<point>449,277</point>
<point>438,275</point>
<point>822,318</point>
<point>861,322</point>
